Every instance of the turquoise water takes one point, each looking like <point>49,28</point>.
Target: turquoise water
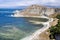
<point>15,28</point>
<point>22,24</point>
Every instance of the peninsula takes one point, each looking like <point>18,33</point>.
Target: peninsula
<point>39,12</point>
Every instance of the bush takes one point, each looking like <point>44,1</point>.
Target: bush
<point>55,29</point>
<point>58,16</point>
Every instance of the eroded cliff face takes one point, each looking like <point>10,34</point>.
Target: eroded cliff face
<point>37,10</point>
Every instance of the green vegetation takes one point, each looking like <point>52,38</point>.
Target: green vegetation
<point>55,29</point>
<point>58,16</point>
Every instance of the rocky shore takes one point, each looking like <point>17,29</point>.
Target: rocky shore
<point>38,11</point>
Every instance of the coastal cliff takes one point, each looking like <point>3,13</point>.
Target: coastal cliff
<point>36,10</point>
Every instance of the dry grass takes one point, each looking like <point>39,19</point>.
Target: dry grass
<point>44,36</point>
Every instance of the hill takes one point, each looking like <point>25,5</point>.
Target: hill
<point>36,10</point>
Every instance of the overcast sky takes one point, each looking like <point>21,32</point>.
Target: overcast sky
<point>14,3</point>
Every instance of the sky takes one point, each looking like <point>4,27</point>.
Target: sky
<point>15,3</point>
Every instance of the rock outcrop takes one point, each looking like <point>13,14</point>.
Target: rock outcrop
<point>36,10</point>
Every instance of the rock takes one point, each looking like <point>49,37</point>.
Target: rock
<point>36,10</point>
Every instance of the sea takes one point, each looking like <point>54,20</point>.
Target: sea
<point>15,28</point>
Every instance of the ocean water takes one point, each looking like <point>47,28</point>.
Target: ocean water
<point>15,28</point>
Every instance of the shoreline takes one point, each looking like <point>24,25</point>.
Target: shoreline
<point>36,34</point>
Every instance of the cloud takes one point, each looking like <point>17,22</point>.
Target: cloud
<point>51,2</point>
<point>14,3</point>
